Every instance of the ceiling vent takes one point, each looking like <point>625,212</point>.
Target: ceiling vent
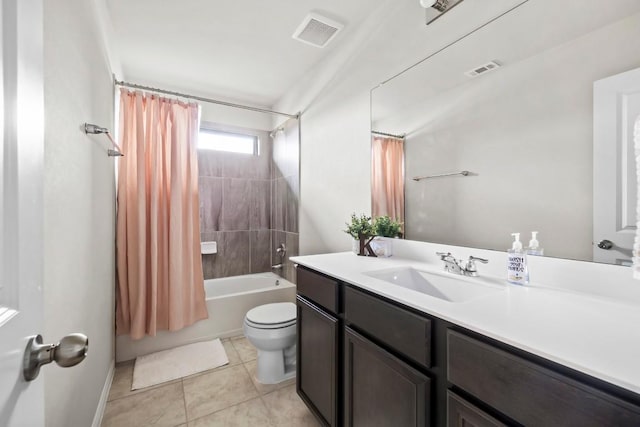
<point>483,69</point>
<point>317,30</point>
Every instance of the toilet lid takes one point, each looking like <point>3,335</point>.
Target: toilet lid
<point>272,314</point>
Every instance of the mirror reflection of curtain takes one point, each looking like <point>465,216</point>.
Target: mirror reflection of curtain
<point>387,178</point>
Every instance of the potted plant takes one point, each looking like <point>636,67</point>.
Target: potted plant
<point>361,229</point>
<point>385,229</point>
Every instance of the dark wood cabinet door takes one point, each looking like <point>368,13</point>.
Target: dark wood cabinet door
<point>380,389</point>
<point>529,393</point>
<point>461,413</point>
<point>317,363</point>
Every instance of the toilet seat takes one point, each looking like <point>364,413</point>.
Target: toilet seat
<point>270,326</point>
<point>272,316</point>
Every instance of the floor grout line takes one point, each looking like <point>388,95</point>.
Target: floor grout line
<point>184,401</point>
<point>244,365</point>
<point>225,408</point>
<point>272,421</point>
<point>230,406</point>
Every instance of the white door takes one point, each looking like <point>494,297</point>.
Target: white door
<point>21,205</point>
<point>616,107</point>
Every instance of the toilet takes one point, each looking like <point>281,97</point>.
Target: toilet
<point>271,328</point>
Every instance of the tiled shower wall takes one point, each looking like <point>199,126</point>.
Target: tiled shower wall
<point>240,208</point>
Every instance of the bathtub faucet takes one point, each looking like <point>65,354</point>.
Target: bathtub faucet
<point>276,267</point>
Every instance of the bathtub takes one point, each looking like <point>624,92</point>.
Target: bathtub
<point>228,300</point>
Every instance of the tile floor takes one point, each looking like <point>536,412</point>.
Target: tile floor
<point>227,396</point>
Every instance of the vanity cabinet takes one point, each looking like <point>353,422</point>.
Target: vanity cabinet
<point>399,329</point>
<point>461,413</point>
<point>529,393</point>
<point>318,345</point>
<point>318,358</point>
<point>380,389</point>
<point>366,360</point>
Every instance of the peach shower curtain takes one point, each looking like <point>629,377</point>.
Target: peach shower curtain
<point>159,279</point>
<point>387,178</point>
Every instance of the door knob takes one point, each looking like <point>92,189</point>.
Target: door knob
<point>606,244</point>
<point>70,351</point>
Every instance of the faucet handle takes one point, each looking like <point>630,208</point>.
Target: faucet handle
<point>443,255</point>
<point>470,269</point>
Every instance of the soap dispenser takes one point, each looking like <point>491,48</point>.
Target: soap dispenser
<point>517,271</point>
<point>534,246</point>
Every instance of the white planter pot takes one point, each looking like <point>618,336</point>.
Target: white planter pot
<point>382,246</point>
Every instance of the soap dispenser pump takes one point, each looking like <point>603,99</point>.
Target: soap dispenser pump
<point>517,271</point>
<point>534,246</point>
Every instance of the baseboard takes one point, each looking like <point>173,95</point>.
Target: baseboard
<point>232,333</point>
<point>102,403</point>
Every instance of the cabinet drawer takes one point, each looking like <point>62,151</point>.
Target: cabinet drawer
<point>318,288</point>
<point>462,413</point>
<point>398,328</point>
<point>530,393</point>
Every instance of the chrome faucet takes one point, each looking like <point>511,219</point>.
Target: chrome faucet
<point>455,266</point>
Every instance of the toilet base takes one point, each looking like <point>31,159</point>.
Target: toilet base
<point>272,369</point>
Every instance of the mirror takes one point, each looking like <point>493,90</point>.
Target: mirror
<point>537,108</point>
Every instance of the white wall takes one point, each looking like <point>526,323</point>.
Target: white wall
<point>335,144</point>
<point>79,198</point>
<point>334,171</point>
<point>237,117</point>
<point>335,101</point>
<point>526,133</point>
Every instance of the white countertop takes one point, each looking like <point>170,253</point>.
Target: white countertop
<point>592,334</point>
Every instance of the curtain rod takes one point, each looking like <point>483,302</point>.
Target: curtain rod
<point>201,98</point>
<point>375,132</point>
<point>420,178</point>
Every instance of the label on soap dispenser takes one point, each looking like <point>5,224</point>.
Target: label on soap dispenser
<point>517,269</point>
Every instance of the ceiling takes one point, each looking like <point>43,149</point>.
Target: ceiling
<point>398,106</point>
<point>238,50</point>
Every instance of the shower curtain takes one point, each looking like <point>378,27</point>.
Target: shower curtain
<point>387,178</point>
<point>159,277</point>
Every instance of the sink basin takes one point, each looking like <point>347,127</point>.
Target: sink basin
<point>448,287</point>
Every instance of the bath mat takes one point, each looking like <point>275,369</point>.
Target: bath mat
<point>177,362</point>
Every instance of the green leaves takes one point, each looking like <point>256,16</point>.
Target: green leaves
<point>360,226</point>
<point>386,227</point>
<point>381,226</point>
